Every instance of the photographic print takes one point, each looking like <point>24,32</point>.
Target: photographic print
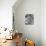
<point>29,19</point>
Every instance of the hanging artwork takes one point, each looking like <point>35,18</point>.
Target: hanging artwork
<point>29,19</point>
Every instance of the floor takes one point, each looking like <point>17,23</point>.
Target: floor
<point>9,43</point>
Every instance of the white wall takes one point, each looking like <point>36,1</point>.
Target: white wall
<point>43,22</point>
<point>6,13</point>
<point>30,31</point>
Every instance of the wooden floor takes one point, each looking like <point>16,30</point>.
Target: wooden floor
<point>9,43</point>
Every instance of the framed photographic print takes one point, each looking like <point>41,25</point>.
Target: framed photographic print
<point>29,19</point>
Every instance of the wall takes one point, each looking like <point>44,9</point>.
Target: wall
<point>32,32</point>
<point>43,22</point>
<point>6,13</point>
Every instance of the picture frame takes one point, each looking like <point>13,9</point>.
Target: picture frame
<point>29,19</point>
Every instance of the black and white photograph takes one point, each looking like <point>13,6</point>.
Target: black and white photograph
<point>29,19</point>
